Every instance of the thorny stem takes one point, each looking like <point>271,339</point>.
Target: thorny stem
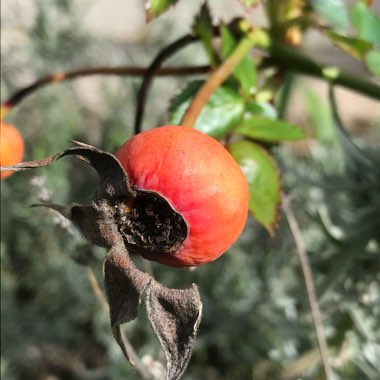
<point>138,365</point>
<point>215,80</point>
<point>310,287</point>
<point>121,71</point>
<point>152,70</point>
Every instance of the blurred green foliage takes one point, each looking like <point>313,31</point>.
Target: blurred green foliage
<point>256,322</point>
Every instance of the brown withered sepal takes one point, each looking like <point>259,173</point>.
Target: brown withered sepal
<point>122,218</point>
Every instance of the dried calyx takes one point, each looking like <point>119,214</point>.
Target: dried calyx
<point>122,218</point>
<point>149,225</point>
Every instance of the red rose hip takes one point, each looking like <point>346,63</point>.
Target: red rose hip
<point>200,180</point>
<point>11,147</point>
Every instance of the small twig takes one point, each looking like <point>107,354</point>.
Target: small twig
<point>120,71</point>
<point>310,287</point>
<point>215,80</point>
<point>152,70</point>
<point>137,364</point>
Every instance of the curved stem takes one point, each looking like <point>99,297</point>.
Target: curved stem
<point>68,75</point>
<point>163,55</point>
<point>310,287</point>
<point>215,80</point>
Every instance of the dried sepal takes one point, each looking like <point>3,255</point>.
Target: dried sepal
<point>124,285</point>
<point>95,222</point>
<point>113,179</point>
<point>175,315</point>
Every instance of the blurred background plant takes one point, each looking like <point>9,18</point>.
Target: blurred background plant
<point>257,322</point>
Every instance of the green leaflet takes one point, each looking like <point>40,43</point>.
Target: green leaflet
<point>264,109</point>
<point>367,24</point>
<point>334,12</point>
<point>264,128</point>
<point>221,113</point>
<point>203,28</point>
<point>263,179</point>
<point>245,71</point>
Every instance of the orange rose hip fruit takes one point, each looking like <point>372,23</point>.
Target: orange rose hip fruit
<point>11,147</point>
<point>200,180</point>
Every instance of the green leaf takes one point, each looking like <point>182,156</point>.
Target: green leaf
<point>372,60</point>
<point>263,179</point>
<point>245,71</point>
<point>263,128</point>
<point>333,11</point>
<point>367,24</point>
<point>353,46</point>
<point>204,30</point>
<point>228,41</point>
<point>261,109</point>
<point>155,7</point>
<point>221,113</point>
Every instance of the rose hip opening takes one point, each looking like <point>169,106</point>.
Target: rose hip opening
<point>149,225</point>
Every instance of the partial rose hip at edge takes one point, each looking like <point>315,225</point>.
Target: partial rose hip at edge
<point>201,181</point>
<point>11,147</point>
